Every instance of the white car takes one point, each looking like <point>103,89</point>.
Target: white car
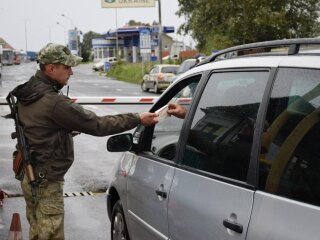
<point>159,77</point>
<point>100,65</point>
<point>243,163</point>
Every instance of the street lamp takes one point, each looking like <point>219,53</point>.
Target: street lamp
<point>25,34</point>
<point>73,34</point>
<point>71,21</point>
<point>49,27</point>
<point>160,33</point>
<point>64,32</point>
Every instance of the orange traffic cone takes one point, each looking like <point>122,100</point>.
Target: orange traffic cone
<point>15,228</point>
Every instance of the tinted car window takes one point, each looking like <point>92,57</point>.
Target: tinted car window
<point>289,159</point>
<point>221,133</point>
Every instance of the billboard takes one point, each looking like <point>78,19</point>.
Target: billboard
<point>73,41</point>
<point>127,3</point>
<point>145,41</point>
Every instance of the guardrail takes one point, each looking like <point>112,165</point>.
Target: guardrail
<point>105,100</point>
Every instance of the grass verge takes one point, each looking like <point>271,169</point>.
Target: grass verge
<point>129,72</point>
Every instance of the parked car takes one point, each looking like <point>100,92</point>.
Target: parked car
<point>243,163</point>
<point>159,77</point>
<point>99,66</point>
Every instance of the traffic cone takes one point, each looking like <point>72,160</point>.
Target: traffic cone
<point>15,228</point>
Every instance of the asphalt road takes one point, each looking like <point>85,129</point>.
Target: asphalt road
<point>85,217</point>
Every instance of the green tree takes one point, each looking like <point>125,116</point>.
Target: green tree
<point>134,23</point>
<point>216,24</point>
<point>87,44</point>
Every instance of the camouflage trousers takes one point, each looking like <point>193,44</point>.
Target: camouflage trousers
<point>46,214</point>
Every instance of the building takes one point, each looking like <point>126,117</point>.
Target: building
<point>134,43</point>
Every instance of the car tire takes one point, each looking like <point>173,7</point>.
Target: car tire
<point>119,229</point>
<point>144,87</point>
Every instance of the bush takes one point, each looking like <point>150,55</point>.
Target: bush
<point>129,72</point>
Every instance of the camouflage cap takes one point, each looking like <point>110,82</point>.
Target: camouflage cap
<point>56,53</point>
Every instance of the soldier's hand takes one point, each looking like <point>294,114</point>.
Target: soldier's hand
<point>147,118</point>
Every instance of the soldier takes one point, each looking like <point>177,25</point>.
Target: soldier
<point>49,119</point>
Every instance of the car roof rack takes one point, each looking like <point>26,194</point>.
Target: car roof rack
<point>280,47</point>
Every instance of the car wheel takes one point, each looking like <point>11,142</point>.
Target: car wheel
<point>144,87</point>
<point>119,229</point>
<point>156,89</point>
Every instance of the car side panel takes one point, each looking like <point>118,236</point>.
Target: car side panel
<point>275,218</point>
<point>198,205</point>
<point>147,211</point>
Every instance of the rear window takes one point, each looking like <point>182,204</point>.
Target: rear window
<point>169,69</point>
<point>289,162</point>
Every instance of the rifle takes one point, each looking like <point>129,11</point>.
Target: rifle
<point>22,143</point>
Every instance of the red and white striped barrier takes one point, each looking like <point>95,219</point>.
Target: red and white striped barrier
<point>105,100</point>
<point>112,100</point>
<point>115,100</point>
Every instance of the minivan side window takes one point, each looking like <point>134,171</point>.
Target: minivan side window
<point>289,163</point>
<point>221,134</point>
<point>167,131</point>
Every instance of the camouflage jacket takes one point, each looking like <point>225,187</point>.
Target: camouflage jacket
<point>49,119</point>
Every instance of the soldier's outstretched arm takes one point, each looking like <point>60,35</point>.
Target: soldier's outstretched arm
<point>147,118</point>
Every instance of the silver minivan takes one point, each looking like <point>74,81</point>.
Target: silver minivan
<point>244,163</point>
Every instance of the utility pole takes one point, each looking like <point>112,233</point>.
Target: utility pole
<point>64,32</point>
<point>160,32</point>
<point>26,36</point>
<point>117,41</point>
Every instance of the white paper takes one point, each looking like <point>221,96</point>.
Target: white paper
<point>163,114</point>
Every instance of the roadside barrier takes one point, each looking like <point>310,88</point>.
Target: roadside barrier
<point>15,232</point>
<point>65,194</point>
<point>112,100</point>
<point>105,100</point>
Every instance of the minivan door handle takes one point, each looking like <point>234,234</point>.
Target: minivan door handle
<point>233,226</point>
<point>162,194</point>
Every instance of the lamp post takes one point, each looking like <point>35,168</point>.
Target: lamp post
<point>117,41</point>
<point>71,21</point>
<point>64,32</point>
<point>49,28</point>
<point>160,32</point>
<point>73,36</point>
<point>26,35</point>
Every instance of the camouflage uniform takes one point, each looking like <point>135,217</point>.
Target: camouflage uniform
<point>46,215</point>
<point>49,118</point>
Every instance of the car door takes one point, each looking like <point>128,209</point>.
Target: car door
<point>287,204</point>
<point>151,173</point>
<point>210,197</point>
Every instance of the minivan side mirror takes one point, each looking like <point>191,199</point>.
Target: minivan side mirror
<point>120,143</point>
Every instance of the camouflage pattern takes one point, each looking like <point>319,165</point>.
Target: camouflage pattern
<point>56,53</point>
<point>46,215</point>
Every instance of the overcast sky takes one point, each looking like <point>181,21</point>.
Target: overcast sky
<point>41,17</point>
